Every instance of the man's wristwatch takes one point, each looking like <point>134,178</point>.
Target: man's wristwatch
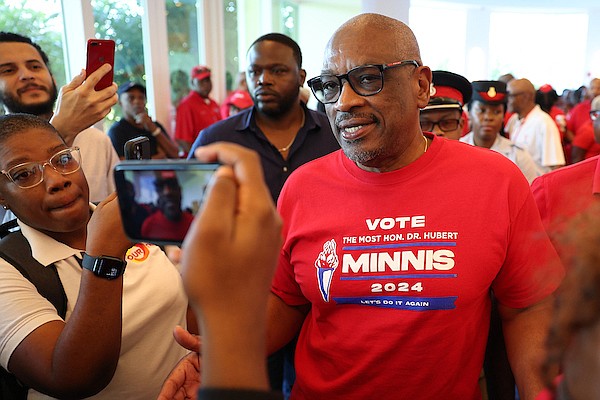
<point>104,266</point>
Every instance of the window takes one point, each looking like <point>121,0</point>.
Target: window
<point>121,21</point>
<point>545,48</point>
<point>441,33</point>
<point>182,31</point>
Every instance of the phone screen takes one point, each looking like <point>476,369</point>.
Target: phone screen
<point>100,52</point>
<point>159,199</point>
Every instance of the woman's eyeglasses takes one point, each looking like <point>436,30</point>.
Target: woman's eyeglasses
<point>30,174</point>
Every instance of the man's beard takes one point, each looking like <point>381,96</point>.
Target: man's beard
<point>283,106</point>
<point>14,105</point>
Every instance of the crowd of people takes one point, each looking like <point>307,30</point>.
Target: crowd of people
<point>422,220</point>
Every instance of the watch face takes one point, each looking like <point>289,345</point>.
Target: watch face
<point>104,266</point>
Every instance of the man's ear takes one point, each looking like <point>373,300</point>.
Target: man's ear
<point>424,77</point>
<point>302,74</point>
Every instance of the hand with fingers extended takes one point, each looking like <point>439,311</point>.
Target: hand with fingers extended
<point>79,105</point>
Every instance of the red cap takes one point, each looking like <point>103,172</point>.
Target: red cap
<point>240,98</point>
<point>200,72</point>
<point>546,88</point>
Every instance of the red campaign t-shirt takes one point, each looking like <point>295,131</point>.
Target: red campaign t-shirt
<point>584,138</point>
<point>194,114</point>
<point>159,227</point>
<point>397,268</point>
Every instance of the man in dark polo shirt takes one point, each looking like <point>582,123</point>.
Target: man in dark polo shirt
<point>136,122</point>
<point>284,132</point>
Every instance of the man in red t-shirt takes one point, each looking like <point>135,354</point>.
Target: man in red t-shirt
<point>584,143</point>
<point>580,113</point>
<point>197,110</point>
<point>169,222</point>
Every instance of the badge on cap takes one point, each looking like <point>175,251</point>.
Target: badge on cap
<point>432,89</point>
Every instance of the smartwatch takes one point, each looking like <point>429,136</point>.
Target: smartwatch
<point>104,266</point>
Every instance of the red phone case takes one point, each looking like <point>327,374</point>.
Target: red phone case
<point>100,52</point>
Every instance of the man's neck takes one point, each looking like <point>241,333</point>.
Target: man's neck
<point>293,117</point>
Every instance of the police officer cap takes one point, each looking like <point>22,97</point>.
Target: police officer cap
<point>490,92</point>
<point>448,91</point>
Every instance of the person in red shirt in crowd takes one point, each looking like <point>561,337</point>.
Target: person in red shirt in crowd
<point>568,201</point>
<point>169,221</point>
<point>547,98</point>
<point>585,145</point>
<point>579,114</point>
<point>196,111</point>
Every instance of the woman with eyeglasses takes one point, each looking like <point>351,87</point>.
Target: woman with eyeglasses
<point>114,340</point>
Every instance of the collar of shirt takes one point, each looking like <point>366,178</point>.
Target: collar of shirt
<point>45,249</point>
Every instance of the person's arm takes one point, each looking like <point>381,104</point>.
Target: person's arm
<point>80,106</point>
<point>284,322</point>
<point>78,358</point>
<point>164,143</point>
<point>525,334</point>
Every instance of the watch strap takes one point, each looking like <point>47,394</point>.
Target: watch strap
<point>104,266</point>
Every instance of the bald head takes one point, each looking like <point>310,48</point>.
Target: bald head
<point>393,39</point>
<point>594,89</point>
<point>522,85</point>
<point>521,97</point>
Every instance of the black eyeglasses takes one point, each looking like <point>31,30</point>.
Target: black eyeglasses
<point>446,125</point>
<point>365,80</point>
<point>30,174</point>
<point>594,114</point>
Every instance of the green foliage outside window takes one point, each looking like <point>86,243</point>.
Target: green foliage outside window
<point>43,28</point>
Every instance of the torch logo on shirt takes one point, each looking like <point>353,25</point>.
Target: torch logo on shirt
<point>326,263</point>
